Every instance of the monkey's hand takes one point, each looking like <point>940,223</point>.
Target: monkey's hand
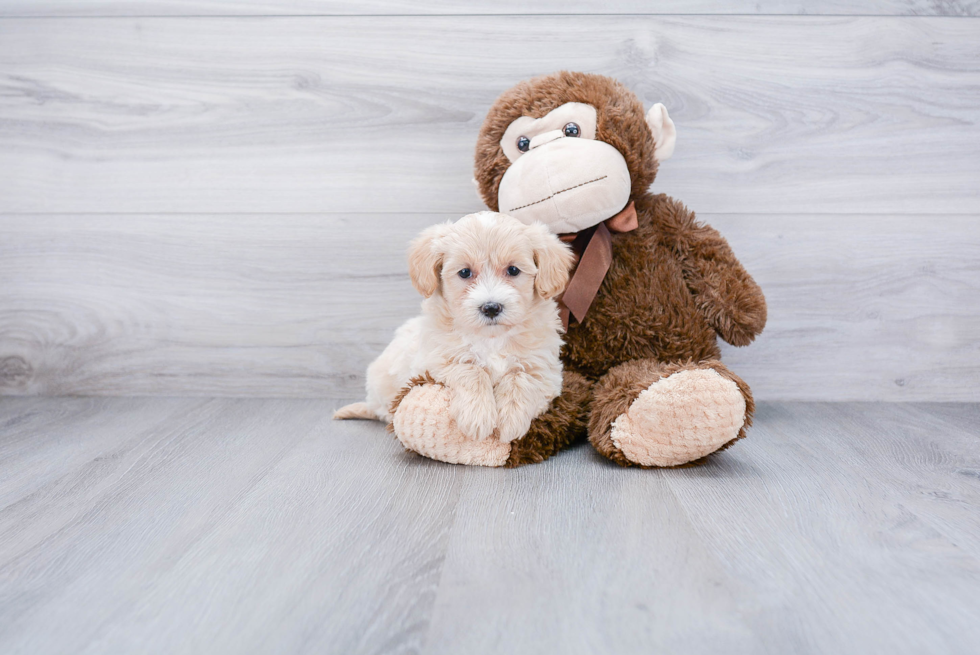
<point>732,302</point>
<point>726,295</point>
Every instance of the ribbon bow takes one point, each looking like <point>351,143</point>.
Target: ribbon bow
<point>594,249</point>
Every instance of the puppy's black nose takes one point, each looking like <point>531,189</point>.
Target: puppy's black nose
<point>491,309</point>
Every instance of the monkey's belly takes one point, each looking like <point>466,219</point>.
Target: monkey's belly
<point>623,325</point>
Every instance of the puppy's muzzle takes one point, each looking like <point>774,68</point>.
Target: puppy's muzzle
<point>491,309</point>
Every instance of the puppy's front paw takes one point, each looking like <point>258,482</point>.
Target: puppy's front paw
<point>475,417</point>
<point>512,425</point>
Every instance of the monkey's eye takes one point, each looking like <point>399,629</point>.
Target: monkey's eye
<point>465,273</point>
<point>572,129</point>
<point>523,143</point>
<point>513,271</point>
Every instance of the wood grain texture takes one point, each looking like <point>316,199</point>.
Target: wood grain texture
<point>790,542</point>
<point>775,114</point>
<point>250,526</point>
<point>121,530</point>
<point>144,8</point>
<point>860,307</point>
<point>215,305</point>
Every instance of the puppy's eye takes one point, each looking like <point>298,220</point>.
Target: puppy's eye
<point>572,130</point>
<point>465,273</point>
<point>513,271</point>
<point>523,143</point>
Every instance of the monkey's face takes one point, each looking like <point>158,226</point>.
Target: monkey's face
<point>560,175</point>
<point>569,150</point>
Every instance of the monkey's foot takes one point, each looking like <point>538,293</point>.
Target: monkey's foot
<point>685,413</point>
<point>423,423</point>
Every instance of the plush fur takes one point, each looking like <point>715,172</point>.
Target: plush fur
<point>617,390</point>
<point>424,426</point>
<point>621,123</point>
<point>503,368</point>
<point>673,288</point>
<point>564,423</point>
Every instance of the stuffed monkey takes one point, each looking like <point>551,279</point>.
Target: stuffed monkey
<point>652,291</point>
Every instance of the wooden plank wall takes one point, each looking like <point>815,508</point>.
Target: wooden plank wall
<point>214,198</point>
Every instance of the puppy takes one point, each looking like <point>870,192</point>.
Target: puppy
<point>489,328</point>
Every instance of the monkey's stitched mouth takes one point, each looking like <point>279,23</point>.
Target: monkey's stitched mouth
<point>556,193</point>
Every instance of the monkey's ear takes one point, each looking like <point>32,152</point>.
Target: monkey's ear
<point>664,132</point>
<point>553,259</point>
<point>425,259</point>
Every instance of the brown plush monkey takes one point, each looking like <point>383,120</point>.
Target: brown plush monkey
<point>652,291</point>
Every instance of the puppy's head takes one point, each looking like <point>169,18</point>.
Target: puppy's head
<point>488,268</point>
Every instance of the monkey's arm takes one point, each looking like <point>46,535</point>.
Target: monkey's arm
<point>725,293</point>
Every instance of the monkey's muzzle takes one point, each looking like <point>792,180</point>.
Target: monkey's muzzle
<point>568,184</point>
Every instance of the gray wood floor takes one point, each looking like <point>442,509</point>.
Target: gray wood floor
<point>172,525</point>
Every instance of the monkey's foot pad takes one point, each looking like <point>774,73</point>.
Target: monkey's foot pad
<point>424,425</point>
<point>680,418</point>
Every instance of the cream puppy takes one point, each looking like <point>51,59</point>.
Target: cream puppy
<point>489,328</point>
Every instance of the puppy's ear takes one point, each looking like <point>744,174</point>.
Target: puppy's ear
<point>425,259</point>
<point>553,259</point>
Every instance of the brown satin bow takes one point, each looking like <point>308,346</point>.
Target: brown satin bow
<point>594,249</point>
